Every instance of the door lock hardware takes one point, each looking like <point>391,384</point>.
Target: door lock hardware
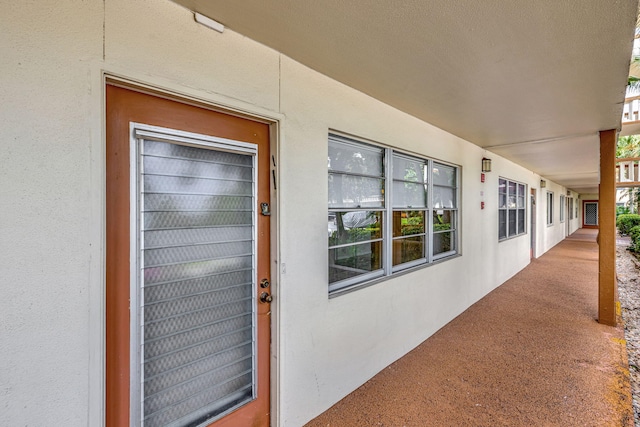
<point>264,283</point>
<point>264,209</point>
<point>265,297</point>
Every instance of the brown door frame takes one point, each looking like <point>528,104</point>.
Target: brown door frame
<point>119,112</point>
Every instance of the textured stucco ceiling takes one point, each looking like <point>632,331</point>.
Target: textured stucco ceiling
<point>532,80</point>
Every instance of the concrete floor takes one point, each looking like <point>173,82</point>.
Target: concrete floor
<point>530,353</point>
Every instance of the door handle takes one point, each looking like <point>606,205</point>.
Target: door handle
<point>265,297</point>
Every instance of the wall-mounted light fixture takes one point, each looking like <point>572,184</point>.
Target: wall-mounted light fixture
<point>208,22</point>
<point>543,183</point>
<point>568,192</point>
<point>486,165</point>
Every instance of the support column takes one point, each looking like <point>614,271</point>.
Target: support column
<point>607,286</point>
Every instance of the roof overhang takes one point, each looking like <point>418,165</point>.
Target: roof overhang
<point>534,81</point>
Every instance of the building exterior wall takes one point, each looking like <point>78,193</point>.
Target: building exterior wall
<point>52,310</point>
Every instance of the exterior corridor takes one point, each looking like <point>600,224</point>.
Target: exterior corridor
<point>530,353</point>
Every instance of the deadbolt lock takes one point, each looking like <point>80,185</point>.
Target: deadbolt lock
<point>264,283</point>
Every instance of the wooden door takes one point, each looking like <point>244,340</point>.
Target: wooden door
<point>187,332</point>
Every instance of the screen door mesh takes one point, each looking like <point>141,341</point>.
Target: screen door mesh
<point>196,249</point>
<point>591,213</point>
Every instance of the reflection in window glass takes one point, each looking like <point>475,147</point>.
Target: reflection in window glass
<point>355,158</point>
<point>444,175</point>
<point>353,227</point>
<point>444,197</point>
<point>408,223</point>
<point>379,225</point>
<point>409,234</point>
<point>521,217</point>
<point>443,243</point>
<point>502,223</point>
<point>408,249</point>
<point>512,222</point>
<point>351,261</point>
<point>445,210</point>
<point>409,195</point>
<point>409,169</point>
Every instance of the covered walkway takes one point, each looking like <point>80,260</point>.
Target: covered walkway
<point>530,353</point>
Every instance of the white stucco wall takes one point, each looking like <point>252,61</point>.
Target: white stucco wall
<point>51,211</point>
<point>51,346</point>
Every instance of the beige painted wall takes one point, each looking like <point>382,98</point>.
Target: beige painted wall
<point>52,217</point>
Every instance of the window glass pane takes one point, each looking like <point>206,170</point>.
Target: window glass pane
<point>443,220</point>
<point>444,197</point>
<point>351,261</point>
<point>521,220</point>
<point>512,222</point>
<point>347,191</point>
<point>408,249</point>
<point>355,158</point>
<point>352,227</point>
<point>444,242</point>
<point>502,186</point>
<point>512,201</point>
<point>571,208</point>
<point>407,169</point>
<point>502,201</point>
<point>502,224</point>
<point>444,175</point>
<point>406,223</point>
<point>408,194</point>
<point>521,201</point>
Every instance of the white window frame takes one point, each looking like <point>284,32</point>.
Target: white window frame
<point>549,208</point>
<point>571,215</point>
<point>388,269</point>
<point>520,208</point>
<point>401,208</point>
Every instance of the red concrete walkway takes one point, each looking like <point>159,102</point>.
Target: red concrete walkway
<point>528,354</point>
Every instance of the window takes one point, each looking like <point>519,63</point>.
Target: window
<point>445,212</point>
<point>571,215</point>
<point>512,212</point>
<point>387,211</point>
<point>562,206</point>
<point>356,207</point>
<point>409,210</point>
<point>549,208</point>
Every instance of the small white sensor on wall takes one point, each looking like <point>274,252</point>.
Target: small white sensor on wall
<point>208,22</point>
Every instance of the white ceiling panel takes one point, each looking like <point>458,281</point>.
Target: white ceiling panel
<point>493,72</point>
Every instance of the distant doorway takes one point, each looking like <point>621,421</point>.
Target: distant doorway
<point>532,253</point>
<point>590,214</point>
